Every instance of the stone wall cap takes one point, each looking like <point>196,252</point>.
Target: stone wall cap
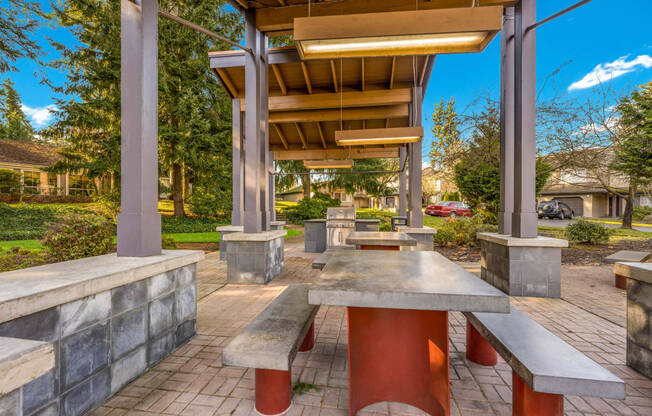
<point>23,360</point>
<point>380,238</point>
<point>417,230</point>
<point>371,220</point>
<point>230,228</point>
<point>277,223</point>
<point>627,256</point>
<point>637,271</point>
<point>316,220</point>
<point>263,236</point>
<point>27,291</point>
<point>508,240</point>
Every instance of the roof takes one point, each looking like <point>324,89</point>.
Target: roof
<point>572,189</point>
<point>29,153</point>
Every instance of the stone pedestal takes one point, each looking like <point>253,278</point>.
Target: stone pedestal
<point>277,225</point>
<point>224,231</point>
<point>315,236</point>
<point>639,315</point>
<point>522,266</point>
<point>367,225</point>
<point>424,236</point>
<point>255,258</point>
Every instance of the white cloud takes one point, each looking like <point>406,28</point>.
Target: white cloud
<point>40,116</point>
<point>607,71</point>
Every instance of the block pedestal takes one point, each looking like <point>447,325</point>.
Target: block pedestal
<point>423,235</point>
<point>315,236</point>
<point>277,225</point>
<point>226,230</point>
<point>255,258</point>
<point>367,225</point>
<point>522,266</point>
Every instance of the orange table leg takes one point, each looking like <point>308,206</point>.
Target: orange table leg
<point>478,349</point>
<point>526,402</point>
<point>273,391</point>
<point>400,356</point>
<point>621,282</point>
<point>375,247</point>
<point>309,340</point>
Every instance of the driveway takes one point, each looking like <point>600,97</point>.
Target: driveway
<point>564,224</point>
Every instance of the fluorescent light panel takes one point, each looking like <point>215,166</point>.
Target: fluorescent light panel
<point>328,164</point>
<point>397,135</point>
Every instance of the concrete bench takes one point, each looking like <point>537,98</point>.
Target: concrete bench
<point>270,343</point>
<point>320,262</point>
<point>544,367</point>
<point>625,256</point>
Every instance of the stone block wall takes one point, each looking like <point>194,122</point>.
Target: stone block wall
<point>639,326</point>
<point>315,236</point>
<point>255,262</point>
<point>104,341</point>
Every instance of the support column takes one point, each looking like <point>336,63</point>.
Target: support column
<point>237,159</point>
<point>402,182</point>
<point>139,223</point>
<point>265,161</point>
<point>271,188</point>
<point>506,124</point>
<point>253,178</point>
<point>524,218</point>
<point>416,215</point>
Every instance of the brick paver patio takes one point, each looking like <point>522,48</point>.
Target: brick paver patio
<point>591,316</point>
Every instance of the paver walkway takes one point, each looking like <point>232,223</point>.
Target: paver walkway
<point>192,381</point>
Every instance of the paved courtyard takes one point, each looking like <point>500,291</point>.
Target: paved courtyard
<point>591,316</point>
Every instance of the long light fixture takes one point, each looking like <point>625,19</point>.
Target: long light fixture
<point>395,135</point>
<point>328,164</point>
<point>418,32</point>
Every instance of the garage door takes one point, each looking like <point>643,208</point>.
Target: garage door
<point>576,204</point>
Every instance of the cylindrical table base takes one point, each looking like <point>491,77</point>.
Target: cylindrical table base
<point>526,402</point>
<point>273,391</point>
<point>478,349</point>
<point>309,340</point>
<point>621,282</point>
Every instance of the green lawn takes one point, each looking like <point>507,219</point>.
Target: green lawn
<point>617,235</point>
<point>27,244</point>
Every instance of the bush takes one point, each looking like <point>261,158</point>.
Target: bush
<point>461,232</point>
<point>451,196</point>
<point>168,243</point>
<point>78,236</point>
<point>171,224</point>
<point>483,216</point>
<point>30,221</point>
<point>308,209</point>
<point>19,258</point>
<point>641,212</point>
<point>206,203</point>
<point>9,181</point>
<point>108,203</point>
<point>582,231</point>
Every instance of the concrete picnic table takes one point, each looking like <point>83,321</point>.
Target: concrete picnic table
<point>397,308</point>
<point>380,240</point>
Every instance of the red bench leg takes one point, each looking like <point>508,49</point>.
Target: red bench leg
<point>526,402</point>
<point>273,390</point>
<point>478,349</point>
<point>621,282</point>
<point>309,340</point>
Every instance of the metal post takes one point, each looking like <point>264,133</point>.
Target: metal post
<point>524,218</point>
<point>506,123</point>
<point>416,214</point>
<point>402,181</point>
<point>139,223</point>
<point>237,158</point>
<point>265,161</point>
<point>252,220</point>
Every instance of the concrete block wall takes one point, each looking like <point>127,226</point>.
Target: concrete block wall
<point>104,341</point>
<point>315,236</point>
<point>639,326</point>
<point>255,262</point>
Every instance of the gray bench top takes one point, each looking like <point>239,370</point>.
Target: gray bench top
<point>628,256</point>
<point>272,339</point>
<point>380,238</point>
<point>637,271</point>
<point>321,261</point>
<point>23,360</point>
<point>544,361</point>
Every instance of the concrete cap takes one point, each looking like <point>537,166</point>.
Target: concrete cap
<point>508,240</point>
<point>417,280</point>
<point>230,228</point>
<point>27,291</point>
<point>371,220</point>
<point>23,360</point>
<point>627,256</point>
<point>277,222</point>
<point>416,230</point>
<point>545,362</point>
<point>637,271</point>
<point>273,338</point>
<point>380,238</point>
<point>316,220</point>
<point>264,236</point>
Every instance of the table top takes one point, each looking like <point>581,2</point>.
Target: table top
<point>419,280</point>
<point>380,238</point>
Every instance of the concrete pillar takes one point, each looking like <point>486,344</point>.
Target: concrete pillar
<point>416,215</point>
<point>139,223</point>
<point>402,182</point>
<point>506,123</point>
<point>524,218</point>
<point>238,165</point>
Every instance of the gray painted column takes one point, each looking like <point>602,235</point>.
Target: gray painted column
<point>265,161</point>
<point>252,218</point>
<point>237,159</point>
<point>271,187</point>
<point>506,123</point>
<point>139,223</point>
<point>402,182</point>
<point>416,215</point>
<point>524,218</point>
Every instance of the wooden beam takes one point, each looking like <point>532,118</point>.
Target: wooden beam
<point>387,123</point>
<point>423,70</point>
<point>279,79</point>
<point>301,136</point>
<point>270,19</point>
<point>321,135</point>
<point>228,82</point>
<point>335,87</point>
<point>319,154</point>
<point>282,2</point>
<point>306,76</point>
<point>281,135</point>
<point>362,74</point>
<point>243,3</point>
<point>391,74</point>
<point>365,113</point>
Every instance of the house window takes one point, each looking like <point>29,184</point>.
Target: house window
<point>79,185</point>
<point>389,201</point>
<point>31,182</point>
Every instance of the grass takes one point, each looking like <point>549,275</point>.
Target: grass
<point>26,244</point>
<point>283,205</point>
<point>617,235</point>
<point>618,222</point>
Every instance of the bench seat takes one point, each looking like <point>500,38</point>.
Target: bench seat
<point>320,262</point>
<point>23,360</point>
<point>541,361</point>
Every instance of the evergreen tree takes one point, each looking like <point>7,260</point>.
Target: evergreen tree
<point>447,144</point>
<point>13,122</point>
<point>18,21</point>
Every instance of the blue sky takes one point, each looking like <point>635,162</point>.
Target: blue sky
<point>599,40</point>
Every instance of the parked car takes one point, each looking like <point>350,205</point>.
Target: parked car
<point>555,209</point>
<point>449,209</point>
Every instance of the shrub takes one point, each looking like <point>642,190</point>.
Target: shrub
<point>641,212</point>
<point>461,232</point>
<point>9,181</point>
<point>310,208</point>
<point>30,221</point>
<point>208,203</point>
<point>168,243</point>
<point>384,226</point>
<point>582,231</point>
<point>171,224</point>
<point>108,203</point>
<point>19,258</point>
<point>78,236</point>
<point>483,216</point>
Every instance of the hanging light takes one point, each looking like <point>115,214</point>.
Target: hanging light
<point>417,32</point>
<point>328,164</point>
<point>395,135</point>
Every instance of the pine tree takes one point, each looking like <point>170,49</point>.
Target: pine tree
<point>13,122</point>
<point>447,144</point>
<point>18,22</point>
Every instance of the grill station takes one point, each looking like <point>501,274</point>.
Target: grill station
<point>340,222</point>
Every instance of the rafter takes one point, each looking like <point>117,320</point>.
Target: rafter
<point>281,135</point>
<point>228,83</point>
<point>362,74</point>
<point>334,153</point>
<point>321,135</point>
<point>243,3</point>
<point>335,114</point>
<point>423,70</point>
<point>301,135</point>
<point>306,76</point>
<point>391,74</point>
<point>334,72</point>
<point>279,79</point>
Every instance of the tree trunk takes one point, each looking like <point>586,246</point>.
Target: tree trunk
<point>177,190</point>
<point>306,186</point>
<point>629,206</point>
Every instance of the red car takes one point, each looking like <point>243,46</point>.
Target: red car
<point>449,209</point>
